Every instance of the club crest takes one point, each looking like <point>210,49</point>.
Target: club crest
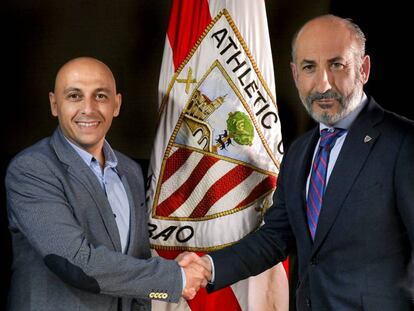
<point>219,165</point>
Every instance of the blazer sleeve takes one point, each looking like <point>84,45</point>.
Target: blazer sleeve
<point>258,251</point>
<point>39,210</point>
<point>404,183</point>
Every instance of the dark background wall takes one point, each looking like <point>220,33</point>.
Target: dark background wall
<point>39,36</point>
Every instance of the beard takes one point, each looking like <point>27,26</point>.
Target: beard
<point>347,104</point>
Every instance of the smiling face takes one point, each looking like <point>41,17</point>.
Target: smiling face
<point>85,102</point>
<point>329,69</point>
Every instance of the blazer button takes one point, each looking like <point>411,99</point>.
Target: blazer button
<point>314,261</point>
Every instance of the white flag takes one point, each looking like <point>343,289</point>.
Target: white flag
<point>218,145</point>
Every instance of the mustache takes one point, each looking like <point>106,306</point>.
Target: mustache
<point>327,95</point>
<point>88,117</point>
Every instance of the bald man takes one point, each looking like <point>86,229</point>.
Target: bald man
<point>77,211</point>
<point>345,195</point>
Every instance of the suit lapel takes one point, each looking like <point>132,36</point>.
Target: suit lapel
<point>304,162</point>
<point>133,216</point>
<point>134,189</point>
<point>83,174</point>
<point>352,157</point>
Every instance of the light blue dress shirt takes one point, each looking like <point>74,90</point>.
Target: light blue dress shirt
<point>112,185</point>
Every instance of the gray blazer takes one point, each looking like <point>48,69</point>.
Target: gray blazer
<point>66,245</point>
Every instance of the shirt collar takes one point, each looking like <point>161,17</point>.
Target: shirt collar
<point>110,157</point>
<point>346,122</point>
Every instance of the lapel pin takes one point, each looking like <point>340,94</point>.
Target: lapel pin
<point>367,139</point>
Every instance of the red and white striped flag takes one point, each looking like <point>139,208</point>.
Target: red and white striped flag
<point>218,145</point>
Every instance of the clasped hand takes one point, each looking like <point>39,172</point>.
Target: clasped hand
<point>197,272</point>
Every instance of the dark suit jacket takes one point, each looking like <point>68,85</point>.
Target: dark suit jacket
<point>66,245</point>
<point>365,235</point>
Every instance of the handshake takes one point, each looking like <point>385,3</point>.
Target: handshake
<point>197,270</point>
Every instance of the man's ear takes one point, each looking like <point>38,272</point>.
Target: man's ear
<point>53,105</point>
<point>118,103</point>
<point>365,69</point>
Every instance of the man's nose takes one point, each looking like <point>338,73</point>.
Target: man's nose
<point>88,105</point>
<point>323,81</point>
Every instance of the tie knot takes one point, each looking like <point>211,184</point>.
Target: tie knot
<point>328,138</point>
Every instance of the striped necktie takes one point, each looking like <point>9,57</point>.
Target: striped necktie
<point>317,182</point>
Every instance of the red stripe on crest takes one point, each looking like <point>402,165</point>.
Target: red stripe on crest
<point>263,187</point>
<point>222,186</point>
<point>175,161</point>
<point>182,193</point>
